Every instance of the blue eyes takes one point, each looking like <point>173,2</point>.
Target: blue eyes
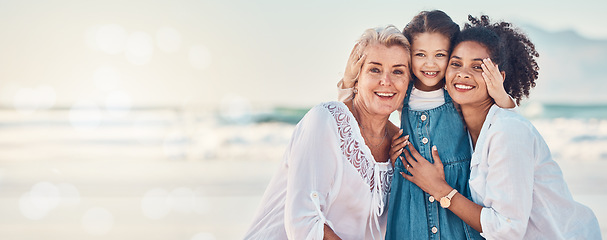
<point>376,70</point>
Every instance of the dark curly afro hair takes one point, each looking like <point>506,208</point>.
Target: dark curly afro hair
<point>511,49</point>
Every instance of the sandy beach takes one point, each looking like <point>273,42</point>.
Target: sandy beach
<point>174,175</point>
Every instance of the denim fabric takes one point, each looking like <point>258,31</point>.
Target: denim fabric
<point>411,213</point>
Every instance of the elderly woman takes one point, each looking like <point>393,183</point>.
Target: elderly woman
<point>335,176</point>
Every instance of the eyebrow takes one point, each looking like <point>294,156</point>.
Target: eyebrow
<point>459,58</point>
<point>397,65</point>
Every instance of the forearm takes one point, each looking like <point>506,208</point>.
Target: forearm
<point>504,101</point>
<point>467,210</point>
<point>461,206</point>
<point>329,234</point>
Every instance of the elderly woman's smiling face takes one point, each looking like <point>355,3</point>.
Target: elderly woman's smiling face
<point>383,79</point>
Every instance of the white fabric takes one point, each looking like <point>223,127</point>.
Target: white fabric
<point>328,175</point>
<point>425,100</point>
<point>521,187</point>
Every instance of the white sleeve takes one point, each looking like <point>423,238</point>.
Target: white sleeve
<point>344,94</point>
<point>313,165</point>
<point>509,186</point>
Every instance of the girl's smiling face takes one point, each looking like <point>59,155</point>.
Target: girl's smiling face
<point>429,58</point>
<point>464,80</point>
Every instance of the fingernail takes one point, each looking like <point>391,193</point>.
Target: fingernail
<point>434,148</point>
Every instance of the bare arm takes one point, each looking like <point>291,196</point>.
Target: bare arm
<point>431,179</point>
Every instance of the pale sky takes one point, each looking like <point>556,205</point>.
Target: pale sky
<point>271,52</point>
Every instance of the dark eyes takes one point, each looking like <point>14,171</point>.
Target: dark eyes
<point>455,64</point>
<point>398,72</point>
<point>420,55</point>
<point>374,70</point>
<point>440,55</point>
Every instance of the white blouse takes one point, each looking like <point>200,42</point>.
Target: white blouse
<point>327,176</point>
<point>521,187</point>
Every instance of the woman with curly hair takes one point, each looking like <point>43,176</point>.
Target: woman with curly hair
<point>517,189</point>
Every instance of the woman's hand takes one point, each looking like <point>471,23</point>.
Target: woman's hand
<point>430,177</point>
<point>355,63</point>
<point>494,79</point>
<point>397,145</point>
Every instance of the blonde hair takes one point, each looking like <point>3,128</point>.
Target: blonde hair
<point>388,36</point>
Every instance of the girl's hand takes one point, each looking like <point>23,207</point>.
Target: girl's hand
<point>355,63</point>
<point>397,145</point>
<point>430,177</point>
<point>494,79</point>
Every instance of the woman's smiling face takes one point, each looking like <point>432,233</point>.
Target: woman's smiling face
<point>464,80</point>
<point>383,79</point>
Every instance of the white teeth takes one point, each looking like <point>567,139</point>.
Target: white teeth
<point>461,86</point>
<point>385,94</point>
<point>431,73</point>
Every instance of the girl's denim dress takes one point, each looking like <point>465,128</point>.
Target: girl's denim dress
<point>412,213</point>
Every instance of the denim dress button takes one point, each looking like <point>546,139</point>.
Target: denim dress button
<point>423,117</point>
<point>424,140</point>
<point>434,230</point>
<point>431,199</point>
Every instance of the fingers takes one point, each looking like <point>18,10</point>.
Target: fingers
<point>435,156</point>
<point>416,155</point>
<point>492,71</point>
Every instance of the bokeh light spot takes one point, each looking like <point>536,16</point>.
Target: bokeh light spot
<point>70,196</point>
<point>29,209</point>
<point>97,221</point>
<point>199,57</point>
<point>139,48</point>
<point>25,101</point>
<point>110,38</point>
<point>182,200</point>
<point>168,39</point>
<point>154,203</point>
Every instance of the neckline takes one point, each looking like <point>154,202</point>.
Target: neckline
<point>355,127</point>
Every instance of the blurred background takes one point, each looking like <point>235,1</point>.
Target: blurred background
<point>166,119</point>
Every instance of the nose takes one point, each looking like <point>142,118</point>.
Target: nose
<point>430,62</point>
<point>463,74</point>
<point>386,79</point>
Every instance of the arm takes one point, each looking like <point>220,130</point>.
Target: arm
<point>431,179</point>
<point>509,185</point>
<point>313,170</point>
<point>494,79</point>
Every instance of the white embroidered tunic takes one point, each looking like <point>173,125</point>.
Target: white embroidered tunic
<point>327,176</point>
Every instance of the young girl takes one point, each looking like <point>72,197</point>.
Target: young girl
<point>429,118</point>
<point>518,190</point>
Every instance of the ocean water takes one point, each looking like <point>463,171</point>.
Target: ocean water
<point>191,173</point>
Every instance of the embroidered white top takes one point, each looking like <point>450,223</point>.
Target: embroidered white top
<point>327,176</point>
<point>521,187</point>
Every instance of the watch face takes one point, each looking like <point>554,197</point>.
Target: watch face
<point>445,202</point>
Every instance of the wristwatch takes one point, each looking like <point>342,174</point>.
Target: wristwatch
<point>445,201</point>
